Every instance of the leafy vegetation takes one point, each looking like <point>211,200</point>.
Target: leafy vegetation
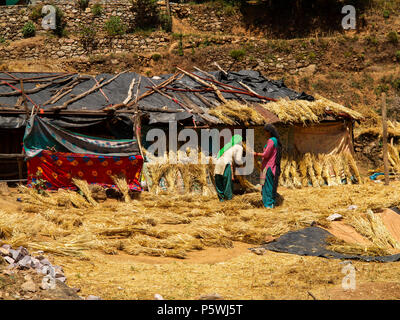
<point>88,35</point>
<point>97,9</point>
<point>114,26</point>
<point>393,37</point>
<point>29,30</point>
<point>238,54</point>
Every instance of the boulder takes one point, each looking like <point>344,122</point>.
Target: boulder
<point>29,286</point>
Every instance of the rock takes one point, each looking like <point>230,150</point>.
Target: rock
<point>16,255</point>
<point>29,286</point>
<point>25,262</point>
<point>45,262</point>
<point>6,246</point>
<point>213,296</point>
<point>35,263</point>
<point>158,297</point>
<point>259,251</point>
<point>23,251</point>
<point>308,71</point>
<point>90,297</point>
<point>48,283</point>
<point>9,260</point>
<point>352,207</point>
<point>335,216</point>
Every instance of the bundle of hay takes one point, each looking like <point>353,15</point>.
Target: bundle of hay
<point>233,113</point>
<point>84,187</point>
<point>319,170</point>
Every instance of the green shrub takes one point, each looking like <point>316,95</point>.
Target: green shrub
<point>381,88</point>
<point>83,4</point>
<point>114,26</point>
<point>393,37</point>
<point>397,55</point>
<point>36,13</point>
<point>166,22</point>
<point>156,56</point>
<point>29,30</point>
<point>386,14</point>
<point>372,40</point>
<point>396,84</point>
<point>237,54</point>
<point>60,23</point>
<point>97,9</point>
<point>2,40</point>
<point>88,35</point>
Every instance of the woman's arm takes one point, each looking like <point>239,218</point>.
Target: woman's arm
<point>267,150</point>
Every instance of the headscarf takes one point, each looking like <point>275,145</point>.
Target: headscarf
<point>236,139</point>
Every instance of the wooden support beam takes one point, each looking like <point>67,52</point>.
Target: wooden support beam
<point>384,140</point>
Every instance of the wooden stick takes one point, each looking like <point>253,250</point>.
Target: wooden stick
<point>128,98</point>
<point>101,90</point>
<point>210,85</point>
<point>84,94</point>
<point>34,90</point>
<point>384,138</point>
<point>222,70</point>
<point>24,97</point>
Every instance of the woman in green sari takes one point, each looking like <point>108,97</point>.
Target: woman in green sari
<point>223,173</point>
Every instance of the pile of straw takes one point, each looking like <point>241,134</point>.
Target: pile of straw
<point>179,175</point>
<point>319,170</point>
<point>302,111</point>
<point>235,113</point>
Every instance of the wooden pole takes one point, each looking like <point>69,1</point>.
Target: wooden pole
<point>23,96</point>
<point>384,142</point>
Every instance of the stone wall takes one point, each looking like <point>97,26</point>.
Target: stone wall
<point>13,18</point>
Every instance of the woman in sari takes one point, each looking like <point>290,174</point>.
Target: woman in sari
<point>223,173</point>
<point>270,166</point>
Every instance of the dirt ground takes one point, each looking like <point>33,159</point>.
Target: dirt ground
<point>231,271</point>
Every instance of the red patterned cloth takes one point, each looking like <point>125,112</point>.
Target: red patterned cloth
<point>58,169</point>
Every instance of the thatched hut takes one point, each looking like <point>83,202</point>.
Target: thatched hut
<point>316,132</point>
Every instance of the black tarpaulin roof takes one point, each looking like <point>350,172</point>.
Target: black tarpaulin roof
<point>246,87</point>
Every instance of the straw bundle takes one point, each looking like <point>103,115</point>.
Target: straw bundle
<point>294,174</point>
<point>296,111</point>
<point>353,166</point>
<point>122,185</point>
<point>372,227</point>
<point>84,187</point>
<point>233,112</point>
<point>310,170</point>
<point>318,167</point>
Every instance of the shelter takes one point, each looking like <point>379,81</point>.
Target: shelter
<point>316,132</point>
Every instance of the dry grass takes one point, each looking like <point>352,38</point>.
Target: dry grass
<point>168,225</point>
<point>233,113</point>
<point>303,111</point>
<point>319,170</point>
